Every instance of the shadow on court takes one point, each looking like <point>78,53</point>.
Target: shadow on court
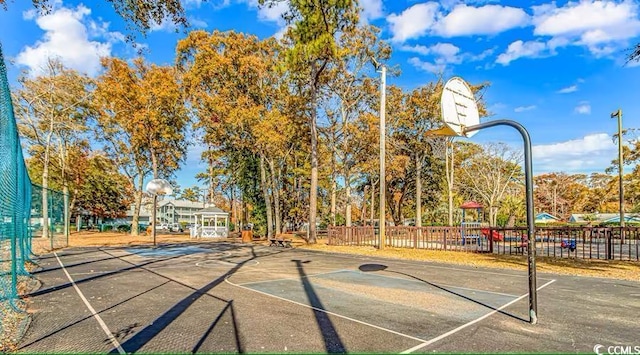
<point>380,267</point>
<point>236,298</point>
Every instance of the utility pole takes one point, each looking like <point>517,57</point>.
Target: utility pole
<point>620,165</point>
<point>383,93</point>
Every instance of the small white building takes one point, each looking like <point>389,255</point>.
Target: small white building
<point>210,222</point>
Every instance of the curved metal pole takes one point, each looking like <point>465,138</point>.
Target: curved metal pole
<point>531,240</point>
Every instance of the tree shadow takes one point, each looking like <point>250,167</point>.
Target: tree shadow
<point>137,341</point>
<point>98,276</point>
<point>332,342</point>
<point>142,337</point>
<point>380,267</point>
<point>22,346</point>
<point>43,270</point>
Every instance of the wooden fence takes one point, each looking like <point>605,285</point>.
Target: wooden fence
<point>610,243</point>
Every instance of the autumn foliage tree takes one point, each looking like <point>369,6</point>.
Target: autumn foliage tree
<point>142,121</point>
<point>311,49</point>
<point>52,111</point>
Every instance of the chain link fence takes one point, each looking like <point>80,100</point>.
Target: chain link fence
<point>56,236</point>
<point>20,220</point>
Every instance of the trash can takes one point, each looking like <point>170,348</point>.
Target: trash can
<point>247,234</point>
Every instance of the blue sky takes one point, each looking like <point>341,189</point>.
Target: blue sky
<point>556,67</point>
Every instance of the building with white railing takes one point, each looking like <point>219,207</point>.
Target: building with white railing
<point>210,222</point>
<point>179,211</point>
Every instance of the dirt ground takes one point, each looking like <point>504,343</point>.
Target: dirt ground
<point>596,268</point>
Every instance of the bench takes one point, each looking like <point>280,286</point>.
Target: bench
<point>285,243</point>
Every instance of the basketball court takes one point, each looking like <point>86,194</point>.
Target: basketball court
<point>232,297</point>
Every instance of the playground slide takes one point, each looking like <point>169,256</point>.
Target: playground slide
<point>497,237</point>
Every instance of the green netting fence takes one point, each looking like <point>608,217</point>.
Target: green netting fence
<point>15,197</point>
<point>56,237</point>
<point>21,218</point>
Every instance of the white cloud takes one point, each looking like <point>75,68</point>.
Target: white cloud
<point>371,10</point>
<point>195,22</point>
<point>583,108</point>
<point>442,55</point>
<point>592,152</point>
<point>69,35</point>
<point>271,13</point>
<point>524,108</point>
<point>602,26</point>
<point>447,51</point>
<point>568,89</point>
<point>435,68</point>
<point>439,18</point>
<point>413,22</point>
<point>520,49</point>
<point>483,55</point>
<point>485,20</point>
<point>167,26</point>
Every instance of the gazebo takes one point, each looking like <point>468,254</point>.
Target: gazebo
<point>211,222</point>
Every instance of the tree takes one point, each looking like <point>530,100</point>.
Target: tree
<point>191,194</point>
<point>52,111</point>
<point>142,120</point>
<point>232,85</point>
<point>489,174</point>
<point>312,49</point>
<point>349,89</point>
<point>140,15</point>
<point>102,190</point>
<point>419,113</point>
<point>559,193</point>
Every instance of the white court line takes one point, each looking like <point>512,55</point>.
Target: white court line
<point>327,312</point>
<point>453,331</point>
<point>113,340</point>
<point>289,278</point>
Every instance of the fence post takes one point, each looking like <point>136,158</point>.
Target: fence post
<point>444,237</point>
<point>490,239</point>
<point>608,243</point>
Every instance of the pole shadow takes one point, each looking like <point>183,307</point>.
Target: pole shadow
<point>332,342</point>
<point>380,267</point>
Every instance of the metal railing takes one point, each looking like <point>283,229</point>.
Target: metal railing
<point>607,243</point>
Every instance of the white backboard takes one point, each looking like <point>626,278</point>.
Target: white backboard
<point>159,187</point>
<point>459,108</point>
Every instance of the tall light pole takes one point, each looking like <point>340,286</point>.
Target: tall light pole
<point>620,164</point>
<point>383,98</point>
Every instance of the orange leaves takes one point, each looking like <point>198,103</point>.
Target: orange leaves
<point>143,103</point>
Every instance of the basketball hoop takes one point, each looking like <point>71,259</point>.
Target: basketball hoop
<point>459,109</point>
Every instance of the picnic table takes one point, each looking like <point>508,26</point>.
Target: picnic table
<point>279,242</point>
